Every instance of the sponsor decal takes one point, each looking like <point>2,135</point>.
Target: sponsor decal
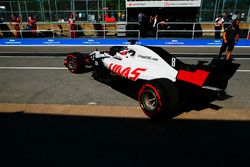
<point>215,42</point>
<point>136,4</point>
<point>91,42</point>
<point>13,41</point>
<point>127,72</point>
<point>51,41</point>
<point>148,57</point>
<point>159,3</point>
<point>182,4</point>
<point>174,42</point>
<point>112,42</point>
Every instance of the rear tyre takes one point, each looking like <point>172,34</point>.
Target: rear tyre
<point>73,64</point>
<point>158,98</point>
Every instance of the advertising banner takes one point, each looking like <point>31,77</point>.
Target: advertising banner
<point>151,4</point>
<point>112,42</point>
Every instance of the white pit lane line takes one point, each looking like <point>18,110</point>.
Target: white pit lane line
<point>243,70</point>
<point>59,68</point>
<point>64,68</point>
<point>33,68</point>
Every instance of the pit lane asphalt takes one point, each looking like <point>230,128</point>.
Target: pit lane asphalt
<point>44,79</point>
<point>50,117</point>
<point>64,50</point>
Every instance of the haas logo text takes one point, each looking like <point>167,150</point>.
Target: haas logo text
<point>126,72</point>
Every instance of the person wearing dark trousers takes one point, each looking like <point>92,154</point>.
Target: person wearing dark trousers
<point>154,22</point>
<point>142,20</point>
<point>230,39</point>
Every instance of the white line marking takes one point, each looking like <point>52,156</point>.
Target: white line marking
<point>204,53</point>
<point>92,103</point>
<point>243,70</point>
<point>59,57</point>
<point>57,68</point>
<point>33,57</point>
<point>207,58</point>
<point>33,68</point>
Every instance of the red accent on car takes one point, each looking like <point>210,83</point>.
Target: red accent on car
<point>197,77</point>
<point>110,66</point>
<point>123,52</point>
<point>127,72</point>
<point>65,62</point>
<point>157,94</point>
<point>136,73</point>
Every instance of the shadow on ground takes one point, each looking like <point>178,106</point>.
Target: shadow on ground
<point>197,100</point>
<point>55,140</point>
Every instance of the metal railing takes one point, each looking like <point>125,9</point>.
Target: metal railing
<point>82,29</point>
<point>120,29</point>
<point>192,29</point>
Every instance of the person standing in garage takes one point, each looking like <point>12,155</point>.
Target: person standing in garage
<point>16,22</point>
<point>218,26</point>
<point>32,23</point>
<point>142,20</point>
<point>72,25</point>
<point>230,39</point>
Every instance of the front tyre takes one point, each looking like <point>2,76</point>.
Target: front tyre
<point>77,62</point>
<point>73,63</point>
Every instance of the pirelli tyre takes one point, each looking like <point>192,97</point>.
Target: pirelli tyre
<point>73,62</point>
<point>158,98</point>
<point>77,63</point>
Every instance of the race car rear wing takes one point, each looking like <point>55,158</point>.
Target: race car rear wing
<point>213,76</point>
<point>221,71</point>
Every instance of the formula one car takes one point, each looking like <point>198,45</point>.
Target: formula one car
<point>161,78</point>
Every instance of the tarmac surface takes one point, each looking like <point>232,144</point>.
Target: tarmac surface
<point>50,117</point>
<point>64,50</point>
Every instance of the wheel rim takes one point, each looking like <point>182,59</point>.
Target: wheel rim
<point>149,101</point>
<point>72,64</point>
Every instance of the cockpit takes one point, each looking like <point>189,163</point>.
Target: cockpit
<point>121,51</point>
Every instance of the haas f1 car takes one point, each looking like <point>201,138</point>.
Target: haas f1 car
<point>161,79</point>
